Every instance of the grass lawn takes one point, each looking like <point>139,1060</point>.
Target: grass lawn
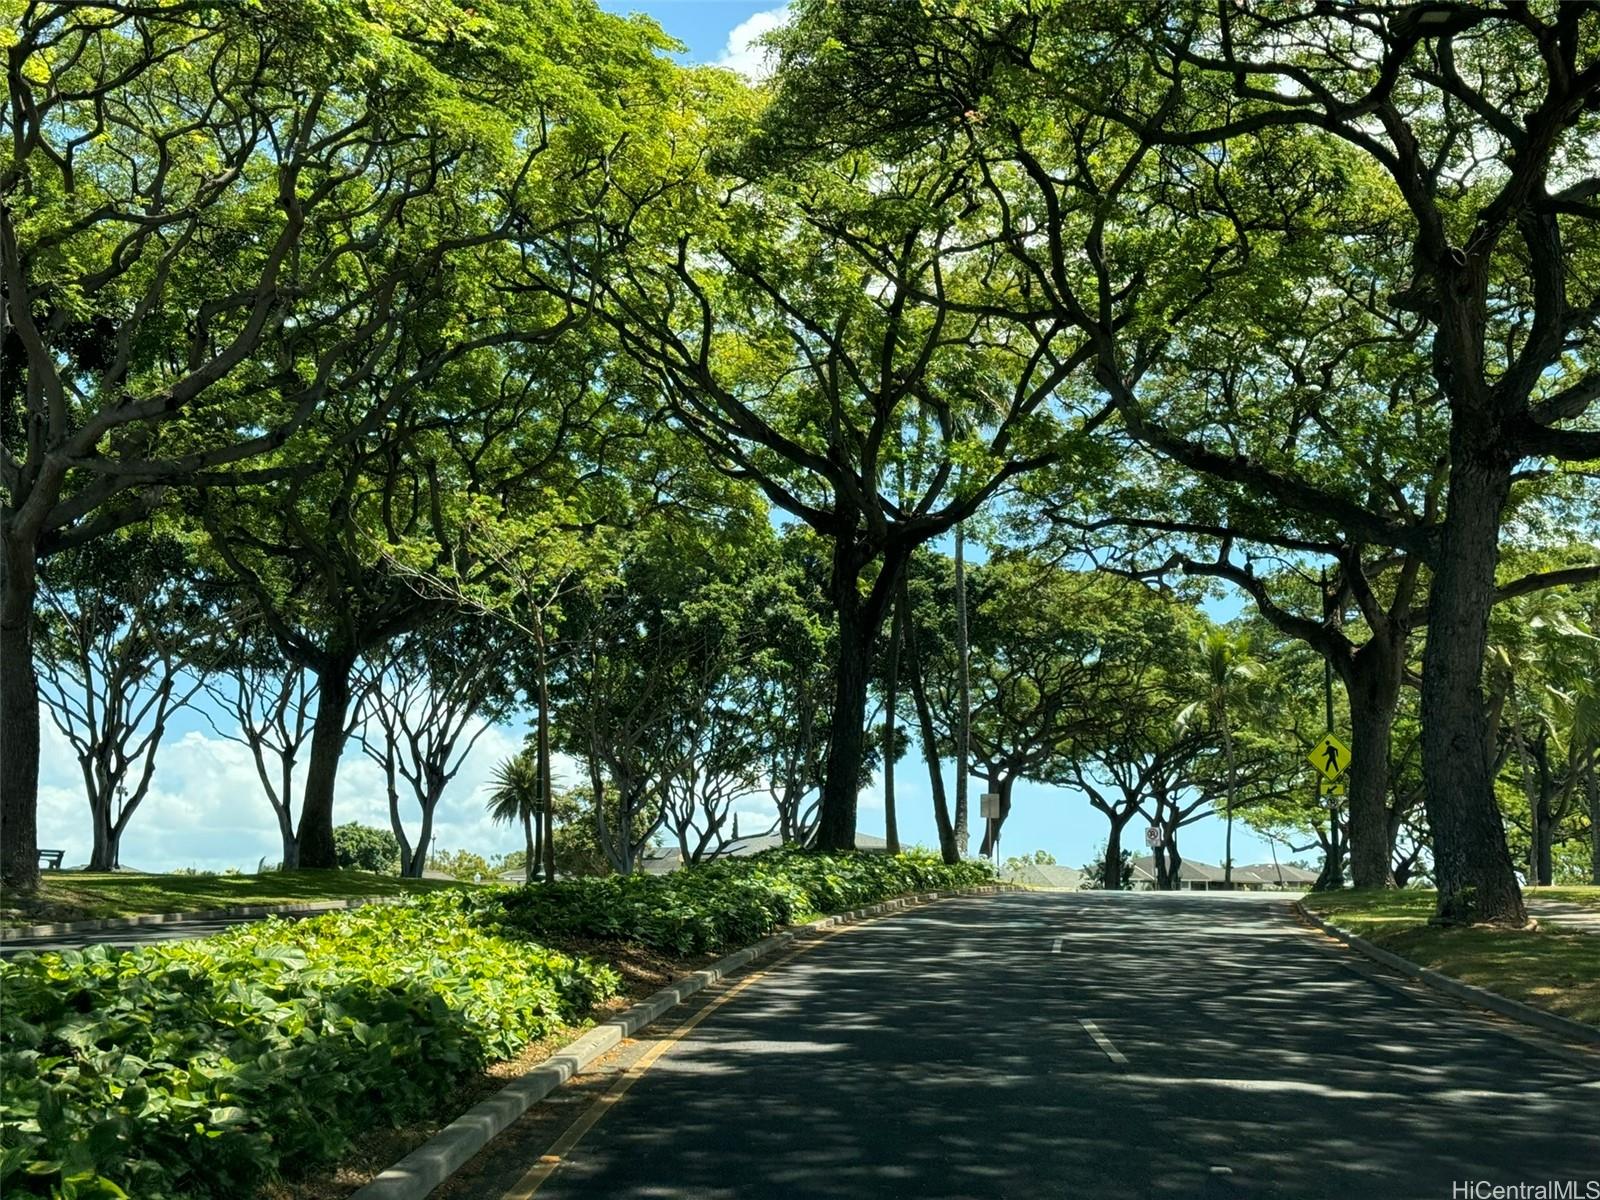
<point>85,896</point>
<point>1552,970</point>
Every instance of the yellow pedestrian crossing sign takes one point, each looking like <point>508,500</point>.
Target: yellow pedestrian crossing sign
<point>1330,757</point>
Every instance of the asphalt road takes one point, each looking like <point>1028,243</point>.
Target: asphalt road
<point>1064,1045</point>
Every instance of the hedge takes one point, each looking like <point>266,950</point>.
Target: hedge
<point>203,1068</point>
<point>724,904</point>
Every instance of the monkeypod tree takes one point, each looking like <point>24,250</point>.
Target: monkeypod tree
<point>653,644</point>
<point>426,699</point>
<point>299,555</point>
<point>122,642</point>
<point>268,704</point>
<point>214,219</point>
<point>1199,159</point>
<point>1054,653</point>
<point>814,325</point>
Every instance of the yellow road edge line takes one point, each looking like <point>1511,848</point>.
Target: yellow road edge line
<point>538,1174</point>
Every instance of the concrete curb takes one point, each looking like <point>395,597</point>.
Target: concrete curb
<point>238,912</point>
<point>442,1155</point>
<point>1477,996</point>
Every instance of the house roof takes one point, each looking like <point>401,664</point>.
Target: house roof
<point>1272,872</point>
<point>1194,871</point>
<point>1191,871</point>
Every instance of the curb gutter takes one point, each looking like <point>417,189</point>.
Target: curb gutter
<point>1480,997</point>
<point>238,912</point>
<point>447,1151</point>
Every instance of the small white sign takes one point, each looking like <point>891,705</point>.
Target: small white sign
<point>989,808</point>
<point>1152,836</point>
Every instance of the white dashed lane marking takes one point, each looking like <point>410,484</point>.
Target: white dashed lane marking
<point>1103,1042</point>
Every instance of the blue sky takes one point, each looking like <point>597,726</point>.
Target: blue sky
<point>206,809</point>
<point>712,31</point>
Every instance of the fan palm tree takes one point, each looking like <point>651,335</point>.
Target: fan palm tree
<point>514,797</point>
<point>1226,673</point>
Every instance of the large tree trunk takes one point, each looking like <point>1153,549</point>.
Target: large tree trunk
<point>1174,858</point>
<point>1113,862</point>
<point>891,738</point>
<point>1544,820</point>
<point>291,843</point>
<point>100,853</point>
<point>858,623</point>
<point>1471,863</point>
<point>1331,877</point>
<point>19,719</point>
<point>419,858</point>
<point>327,745</point>
<point>412,857</point>
<point>1544,849</point>
<point>1372,682</point>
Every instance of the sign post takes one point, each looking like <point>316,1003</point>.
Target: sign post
<point>989,808</point>
<point>1331,759</point>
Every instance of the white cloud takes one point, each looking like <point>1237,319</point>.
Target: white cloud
<point>744,52</point>
<point>206,808</point>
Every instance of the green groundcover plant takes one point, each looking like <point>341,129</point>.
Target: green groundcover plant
<point>204,1068</point>
<point>723,904</point>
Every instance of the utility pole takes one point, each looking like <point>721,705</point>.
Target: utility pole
<point>1327,700</point>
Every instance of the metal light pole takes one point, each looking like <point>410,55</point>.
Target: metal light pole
<point>1327,700</point>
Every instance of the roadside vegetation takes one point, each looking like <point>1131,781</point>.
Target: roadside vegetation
<point>87,896</point>
<point>206,1068</point>
<point>728,903</point>
<point>1549,967</point>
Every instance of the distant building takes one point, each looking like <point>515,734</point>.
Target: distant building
<point>660,860</point>
<point>1195,876</point>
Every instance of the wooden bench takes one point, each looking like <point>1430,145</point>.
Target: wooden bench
<point>51,858</point>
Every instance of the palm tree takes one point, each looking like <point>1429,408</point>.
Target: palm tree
<point>514,797</point>
<point>1547,666</point>
<point>1225,672</point>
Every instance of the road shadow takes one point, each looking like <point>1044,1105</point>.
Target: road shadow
<point>943,1054</point>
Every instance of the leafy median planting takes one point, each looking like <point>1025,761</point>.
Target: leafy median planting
<point>205,1068</point>
<point>724,904</point>
<point>202,1068</point>
<point>1549,968</point>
